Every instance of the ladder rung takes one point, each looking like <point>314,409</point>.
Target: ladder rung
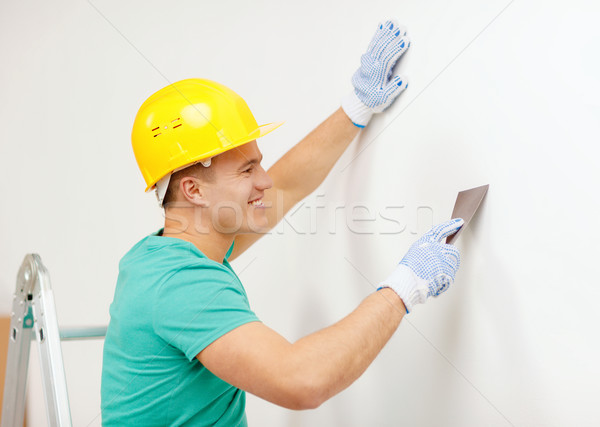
<point>92,332</point>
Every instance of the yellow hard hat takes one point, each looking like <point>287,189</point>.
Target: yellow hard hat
<point>187,122</point>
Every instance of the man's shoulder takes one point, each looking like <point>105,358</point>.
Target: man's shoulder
<point>155,249</point>
<point>162,264</point>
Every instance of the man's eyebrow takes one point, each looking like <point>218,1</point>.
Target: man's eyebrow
<point>252,162</point>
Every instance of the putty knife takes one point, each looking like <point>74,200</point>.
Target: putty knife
<point>467,203</point>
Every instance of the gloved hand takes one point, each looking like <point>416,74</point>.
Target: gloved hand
<point>374,91</point>
<point>428,268</point>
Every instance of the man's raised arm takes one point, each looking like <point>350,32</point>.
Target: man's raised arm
<point>303,168</point>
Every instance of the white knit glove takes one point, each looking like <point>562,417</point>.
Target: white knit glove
<point>374,88</point>
<point>428,268</point>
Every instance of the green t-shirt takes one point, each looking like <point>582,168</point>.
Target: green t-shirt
<point>171,301</point>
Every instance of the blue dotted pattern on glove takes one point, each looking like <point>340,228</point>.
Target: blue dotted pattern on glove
<point>433,261</point>
<point>371,81</point>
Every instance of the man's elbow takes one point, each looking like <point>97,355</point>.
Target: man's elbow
<point>304,402</point>
<point>306,393</point>
<point>312,402</point>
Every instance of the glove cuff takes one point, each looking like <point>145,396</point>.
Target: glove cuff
<point>358,112</point>
<point>405,283</point>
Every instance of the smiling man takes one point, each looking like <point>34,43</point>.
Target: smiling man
<point>183,345</point>
<point>210,206</point>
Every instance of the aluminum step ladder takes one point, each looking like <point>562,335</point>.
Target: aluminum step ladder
<point>34,315</point>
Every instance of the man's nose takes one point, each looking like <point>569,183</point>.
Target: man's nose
<point>265,182</point>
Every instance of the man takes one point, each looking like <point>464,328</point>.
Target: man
<point>183,345</point>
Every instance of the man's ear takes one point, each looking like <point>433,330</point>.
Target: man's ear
<point>193,191</point>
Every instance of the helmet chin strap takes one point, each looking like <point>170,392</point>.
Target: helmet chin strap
<point>161,189</point>
<point>163,184</point>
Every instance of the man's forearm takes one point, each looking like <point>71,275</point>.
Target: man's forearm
<point>303,375</point>
<point>303,168</point>
<point>333,358</point>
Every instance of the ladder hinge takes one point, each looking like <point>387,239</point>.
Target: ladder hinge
<point>28,320</point>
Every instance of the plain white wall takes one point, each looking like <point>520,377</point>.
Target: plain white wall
<point>501,92</point>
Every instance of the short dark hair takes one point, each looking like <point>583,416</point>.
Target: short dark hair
<point>197,170</point>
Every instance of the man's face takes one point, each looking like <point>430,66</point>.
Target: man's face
<point>235,196</point>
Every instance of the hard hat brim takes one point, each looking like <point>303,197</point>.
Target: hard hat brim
<point>255,134</point>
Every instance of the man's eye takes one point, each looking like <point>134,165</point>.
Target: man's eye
<point>248,170</point>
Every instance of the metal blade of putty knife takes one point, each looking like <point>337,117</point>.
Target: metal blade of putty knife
<point>467,203</point>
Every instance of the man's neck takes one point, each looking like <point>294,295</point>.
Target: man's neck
<point>214,245</point>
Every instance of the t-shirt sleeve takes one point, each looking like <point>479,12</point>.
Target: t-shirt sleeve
<point>199,304</point>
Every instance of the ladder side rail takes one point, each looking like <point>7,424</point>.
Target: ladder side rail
<point>48,337</point>
<point>19,346</point>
